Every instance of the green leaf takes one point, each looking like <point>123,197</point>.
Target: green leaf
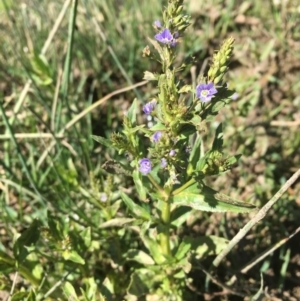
<point>154,249</point>
<point>218,105</point>
<point>139,256</point>
<point>73,256</point>
<point>134,129</point>
<point>70,292</point>
<point>40,69</point>
<point>55,228</point>
<point>7,264</point>
<point>116,222</point>
<point>103,141</point>
<point>114,167</point>
<point>158,127</point>
<point>137,286</point>
<point>158,48</point>
<point>107,288</point>
<point>132,112</point>
<point>218,141</point>
<point>5,5</point>
<point>196,121</point>
<point>207,199</point>
<point>186,131</point>
<point>203,246</point>
<point>137,210</point>
<point>25,243</point>
<point>91,292</point>
<point>19,296</point>
<point>233,160</point>
<point>114,208</point>
<point>86,236</point>
<point>182,250</point>
<point>183,267</point>
<point>139,185</point>
<point>223,98</point>
<point>144,280</point>
<point>194,156</point>
<point>179,215</point>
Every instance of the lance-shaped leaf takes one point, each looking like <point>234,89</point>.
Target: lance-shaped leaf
<point>195,156</point>
<point>139,256</point>
<point>41,71</point>
<point>154,249</point>
<point>103,141</point>
<point>157,47</point>
<point>137,210</point>
<point>142,191</point>
<point>25,244</point>
<point>70,292</point>
<point>207,199</point>
<point>72,255</point>
<point>182,250</point>
<point>158,127</point>
<point>218,141</point>
<point>114,167</point>
<point>132,111</point>
<point>116,222</point>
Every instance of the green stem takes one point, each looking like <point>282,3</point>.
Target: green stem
<point>165,218</point>
<point>162,192</point>
<point>186,185</point>
<point>165,235</point>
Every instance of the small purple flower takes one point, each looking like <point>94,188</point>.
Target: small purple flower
<point>172,153</point>
<point>235,96</point>
<point>149,107</point>
<point>205,92</point>
<point>103,197</point>
<point>165,37</point>
<point>156,136</point>
<point>163,163</point>
<point>157,24</point>
<point>145,166</point>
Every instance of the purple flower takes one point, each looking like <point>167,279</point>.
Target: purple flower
<point>145,166</point>
<point>157,24</point>
<point>205,92</point>
<point>172,153</point>
<point>235,96</point>
<point>165,37</point>
<point>156,136</point>
<point>163,163</point>
<point>149,107</point>
<point>103,197</point>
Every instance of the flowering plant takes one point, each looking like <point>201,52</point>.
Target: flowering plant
<point>170,173</point>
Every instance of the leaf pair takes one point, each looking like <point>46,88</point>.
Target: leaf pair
<point>201,197</point>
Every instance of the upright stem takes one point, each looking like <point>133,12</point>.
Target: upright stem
<point>165,235</point>
<point>165,217</point>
